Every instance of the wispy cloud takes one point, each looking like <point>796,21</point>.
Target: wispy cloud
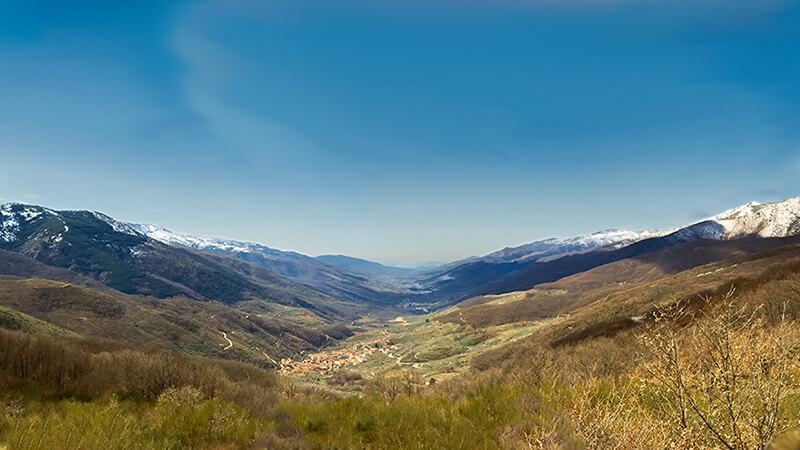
<point>210,68</point>
<point>282,10</point>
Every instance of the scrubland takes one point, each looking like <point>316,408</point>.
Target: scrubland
<point>720,371</point>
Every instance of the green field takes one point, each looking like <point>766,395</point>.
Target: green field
<point>420,345</point>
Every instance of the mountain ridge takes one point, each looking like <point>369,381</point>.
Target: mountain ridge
<point>353,279</point>
<point>95,246</point>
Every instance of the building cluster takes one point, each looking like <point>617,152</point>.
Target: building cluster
<point>326,363</point>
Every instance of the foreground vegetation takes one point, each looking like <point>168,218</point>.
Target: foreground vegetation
<point>67,392</point>
<point>718,371</point>
<point>722,373</point>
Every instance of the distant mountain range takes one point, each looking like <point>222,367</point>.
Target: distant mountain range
<point>350,279</point>
<point>88,273</point>
<point>111,253</point>
<point>152,260</point>
<point>367,267</point>
<point>523,267</point>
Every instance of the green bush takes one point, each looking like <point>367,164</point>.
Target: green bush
<point>179,419</point>
<point>408,421</point>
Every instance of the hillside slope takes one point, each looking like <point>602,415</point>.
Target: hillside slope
<point>17,321</point>
<point>353,282</point>
<point>180,324</point>
<point>609,295</point>
<point>95,246</point>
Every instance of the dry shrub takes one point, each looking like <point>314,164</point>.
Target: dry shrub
<point>528,435</point>
<point>183,396</point>
<point>610,417</point>
<point>728,376</point>
<point>392,387</point>
<point>459,387</point>
<point>88,370</point>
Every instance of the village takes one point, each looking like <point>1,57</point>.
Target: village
<point>326,363</point>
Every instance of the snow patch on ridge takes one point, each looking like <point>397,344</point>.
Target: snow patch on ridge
<point>119,227</point>
<point>13,215</point>
<point>557,247</point>
<point>168,237</point>
<point>9,224</point>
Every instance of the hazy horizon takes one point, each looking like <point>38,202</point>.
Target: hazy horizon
<point>384,261</point>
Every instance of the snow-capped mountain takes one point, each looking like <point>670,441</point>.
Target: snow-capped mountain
<point>17,222</point>
<point>336,280</point>
<point>776,219</point>
<point>768,220</point>
<point>65,238</point>
<point>166,236</point>
<point>119,227</point>
<point>555,247</point>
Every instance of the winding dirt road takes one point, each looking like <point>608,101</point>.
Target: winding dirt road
<point>230,342</point>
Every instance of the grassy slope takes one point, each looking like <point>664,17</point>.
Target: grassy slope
<point>443,345</point>
<point>424,346</point>
<point>607,312</point>
<point>180,324</point>
<point>672,271</point>
<point>16,321</point>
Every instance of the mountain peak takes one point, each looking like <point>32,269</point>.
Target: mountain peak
<point>13,215</point>
<point>775,219</point>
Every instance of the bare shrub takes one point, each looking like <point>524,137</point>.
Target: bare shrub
<point>392,387</point>
<point>726,377</point>
<point>607,416</point>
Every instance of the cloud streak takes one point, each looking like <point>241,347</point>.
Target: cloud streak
<point>209,68</point>
<point>281,10</point>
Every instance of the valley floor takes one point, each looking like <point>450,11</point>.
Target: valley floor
<point>434,350</point>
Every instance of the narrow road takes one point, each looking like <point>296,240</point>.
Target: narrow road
<point>399,360</point>
<point>270,358</point>
<point>230,342</point>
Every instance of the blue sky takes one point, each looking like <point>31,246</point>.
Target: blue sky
<point>400,131</point>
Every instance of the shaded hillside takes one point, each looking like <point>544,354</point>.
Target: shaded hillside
<point>660,264</point>
<point>337,282</point>
<point>95,246</point>
<point>180,324</point>
<point>17,264</point>
<point>340,277</point>
<point>745,274</point>
<point>480,277</point>
<point>610,307</point>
